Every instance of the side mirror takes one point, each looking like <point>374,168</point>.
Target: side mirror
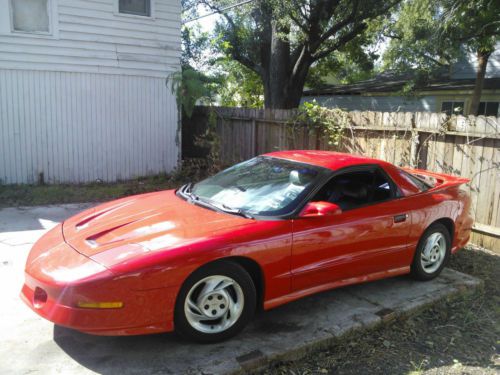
<point>320,209</point>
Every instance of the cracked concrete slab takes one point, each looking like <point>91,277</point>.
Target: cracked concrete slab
<point>31,344</point>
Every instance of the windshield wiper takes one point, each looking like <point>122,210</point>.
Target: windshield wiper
<point>225,208</point>
<point>186,191</point>
<point>236,211</point>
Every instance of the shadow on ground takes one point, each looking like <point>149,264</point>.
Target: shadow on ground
<point>272,334</point>
<point>451,337</point>
<point>159,353</point>
<point>110,355</point>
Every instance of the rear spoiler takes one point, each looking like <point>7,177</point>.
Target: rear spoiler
<point>437,179</point>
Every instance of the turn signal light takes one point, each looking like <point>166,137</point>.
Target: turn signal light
<point>100,305</point>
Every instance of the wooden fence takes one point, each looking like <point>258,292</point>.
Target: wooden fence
<point>458,145</point>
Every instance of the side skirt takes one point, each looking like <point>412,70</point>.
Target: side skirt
<point>275,302</point>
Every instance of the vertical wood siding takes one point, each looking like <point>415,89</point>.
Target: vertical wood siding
<point>81,127</point>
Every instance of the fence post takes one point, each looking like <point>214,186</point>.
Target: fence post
<point>254,137</point>
<point>414,143</point>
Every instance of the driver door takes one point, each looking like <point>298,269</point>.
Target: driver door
<point>369,236</point>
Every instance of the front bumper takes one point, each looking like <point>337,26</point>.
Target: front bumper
<point>52,290</point>
<point>142,313</point>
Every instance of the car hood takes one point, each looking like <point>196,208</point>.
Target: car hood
<point>148,222</point>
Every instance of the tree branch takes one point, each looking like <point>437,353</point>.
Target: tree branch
<point>392,36</point>
<point>339,25</point>
<point>235,52</point>
<point>299,24</point>
<point>435,61</point>
<point>357,28</point>
<point>341,41</point>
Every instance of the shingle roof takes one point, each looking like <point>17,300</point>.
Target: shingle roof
<point>391,83</point>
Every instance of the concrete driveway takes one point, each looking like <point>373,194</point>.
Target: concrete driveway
<point>31,345</point>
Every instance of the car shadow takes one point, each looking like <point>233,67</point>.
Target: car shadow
<point>107,354</point>
<point>159,353</point>
<point>156,353</point>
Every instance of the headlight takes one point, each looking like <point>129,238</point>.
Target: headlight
<point>120,254</point>
<point>74,273</point>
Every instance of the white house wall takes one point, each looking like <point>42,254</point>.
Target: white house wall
<point>81,127</point>
<point>90,101</point>
<point>90,36</point>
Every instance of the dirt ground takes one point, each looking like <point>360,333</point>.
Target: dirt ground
<point>458,336</point>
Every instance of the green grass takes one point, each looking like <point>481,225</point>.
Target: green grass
<point>34,195</point>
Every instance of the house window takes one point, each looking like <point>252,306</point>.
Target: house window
<point>452,108</point>
<point>488,109</point>
<point>136,7</point>
<point>31,16</point>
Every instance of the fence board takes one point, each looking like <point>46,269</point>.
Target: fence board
<point>465,146</point>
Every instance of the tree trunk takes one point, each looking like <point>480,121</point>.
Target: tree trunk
<point>286,95</point>
<point>276,75</point>
<point>482,62</point>
<point>283,83</point>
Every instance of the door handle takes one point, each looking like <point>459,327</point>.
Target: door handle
<point>400,218</point>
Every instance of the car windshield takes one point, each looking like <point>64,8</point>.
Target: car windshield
<point>260,186</point>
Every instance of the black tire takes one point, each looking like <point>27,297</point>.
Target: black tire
<point>222,268</point>
<point>417,270</point>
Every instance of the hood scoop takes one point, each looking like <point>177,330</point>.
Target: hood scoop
<point>85,222</point>
<point>93,241</point>
<point>155,220</point>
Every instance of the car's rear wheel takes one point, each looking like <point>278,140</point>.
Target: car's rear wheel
<point>215,302</point>
<point>432,253</point>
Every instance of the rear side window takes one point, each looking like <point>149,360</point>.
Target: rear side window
<point>414,180</point>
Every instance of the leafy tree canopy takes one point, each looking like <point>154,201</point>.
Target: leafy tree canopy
<point>429,36</point>
<point>280,40</point>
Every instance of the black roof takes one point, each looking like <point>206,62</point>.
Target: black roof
<point>391,83</point>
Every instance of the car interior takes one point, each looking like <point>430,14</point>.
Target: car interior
<point>354,189</point>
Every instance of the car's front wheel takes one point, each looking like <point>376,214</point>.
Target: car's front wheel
<point>215,302</point>
<point>432,253</point>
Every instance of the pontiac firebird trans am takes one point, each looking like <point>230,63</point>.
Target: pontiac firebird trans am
<point>270,230</point>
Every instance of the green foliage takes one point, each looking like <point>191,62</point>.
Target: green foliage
<point>431,35</point>
<point>330,122</point>
<point>476,23</point>
<point>279,41</point>
<point>342,67</point>
<point>195,43</point>
<point>353,62</point>
<point>414,43</point>
<point>240,87</point>
<point>192,87</point>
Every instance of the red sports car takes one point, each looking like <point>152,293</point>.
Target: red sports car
<point>270,230</point>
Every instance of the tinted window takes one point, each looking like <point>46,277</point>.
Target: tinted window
<point>354,189</point>
<point>421,185</point>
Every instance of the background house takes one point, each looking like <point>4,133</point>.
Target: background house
<point>83,89</point>
<point>384,92</point>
